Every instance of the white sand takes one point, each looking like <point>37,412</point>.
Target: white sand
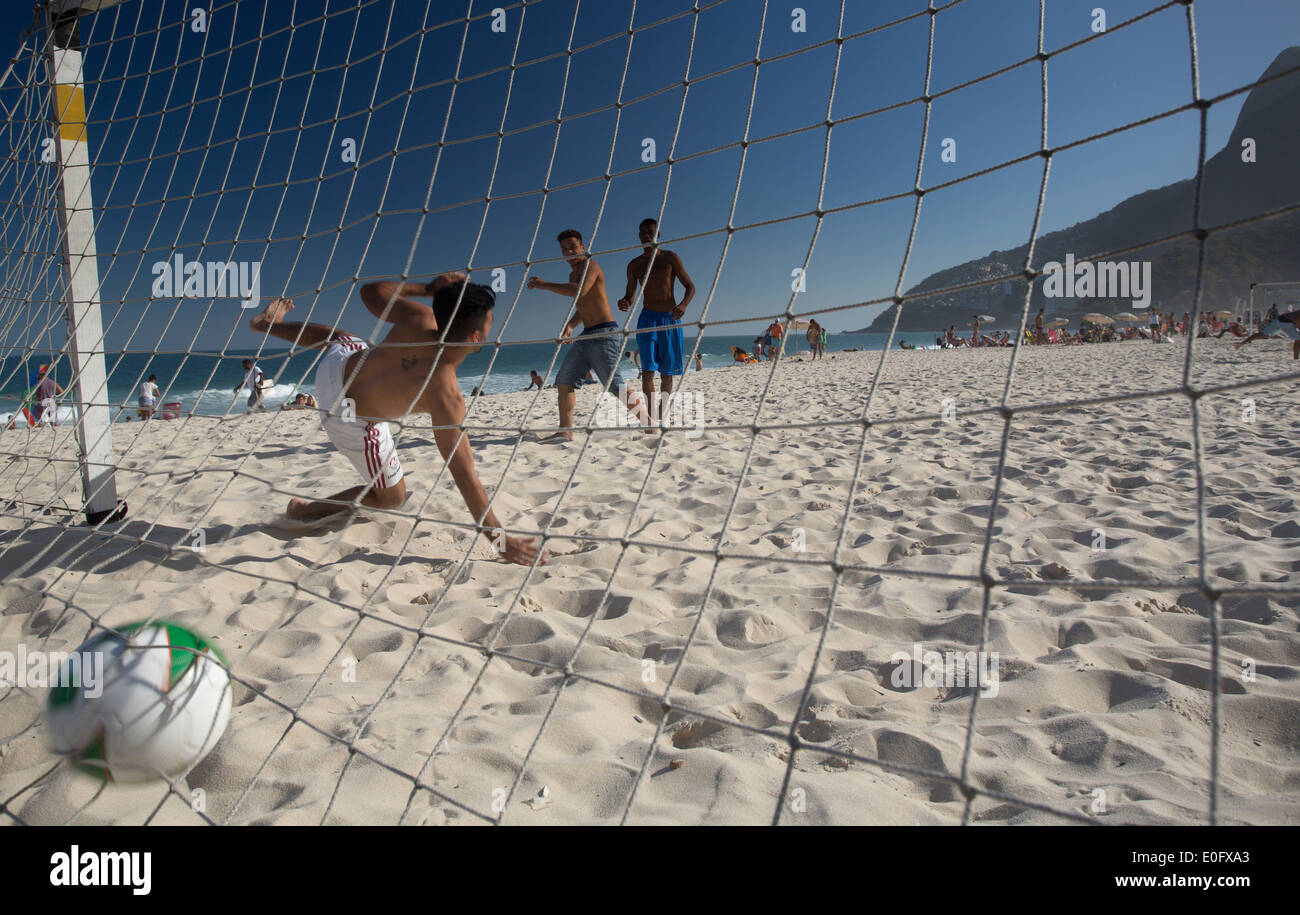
<point>1100,688</point>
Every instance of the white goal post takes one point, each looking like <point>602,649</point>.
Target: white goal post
<point>1286,296</point>
<point>80,269</point>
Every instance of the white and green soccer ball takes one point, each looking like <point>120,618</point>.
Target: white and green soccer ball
<point>163,705</point>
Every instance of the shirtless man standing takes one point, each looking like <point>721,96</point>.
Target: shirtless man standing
<point>660,342</point>
<point>397,378</point>
<point>587,282</point>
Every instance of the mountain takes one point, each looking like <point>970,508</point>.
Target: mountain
<point>1268,251</point>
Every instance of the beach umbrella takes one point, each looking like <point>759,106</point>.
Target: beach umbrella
<point>1058,322</point>
<point>796,324</point>
<point>1127,316</point>
<point>1225,315</point>
<point>987,318</point>
<point>1096,318</point>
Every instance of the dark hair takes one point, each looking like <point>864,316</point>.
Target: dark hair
<point>248,362</point>
<point>153,377</point>
<point>648,221</point>
<point>569,233</point>
<point>470,316</point>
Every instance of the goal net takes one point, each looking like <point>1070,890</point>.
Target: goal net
<point>1267,297</point>
<point>874,586</point>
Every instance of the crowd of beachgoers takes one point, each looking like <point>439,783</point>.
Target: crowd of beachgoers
<point>1155,326</point>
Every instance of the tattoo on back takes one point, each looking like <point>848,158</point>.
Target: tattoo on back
<point>408,364</point>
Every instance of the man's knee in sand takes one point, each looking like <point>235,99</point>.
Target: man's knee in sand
<point>388,497</point>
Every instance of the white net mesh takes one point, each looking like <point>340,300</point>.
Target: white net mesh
<point>388,668</point>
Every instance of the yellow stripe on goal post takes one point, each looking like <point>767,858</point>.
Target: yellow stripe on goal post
<point>70,112</point>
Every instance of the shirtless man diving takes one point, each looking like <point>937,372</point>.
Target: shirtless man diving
<point>660,340</point>
<point>396,378</point>
<point>1292,318</point>
<point>602,353</point>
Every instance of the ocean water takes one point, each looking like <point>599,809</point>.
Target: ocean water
<point>205,383</point>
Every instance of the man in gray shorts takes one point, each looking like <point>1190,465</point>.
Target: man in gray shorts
<point>600,345</point>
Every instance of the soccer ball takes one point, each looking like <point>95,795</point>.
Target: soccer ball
<point>161,704</point>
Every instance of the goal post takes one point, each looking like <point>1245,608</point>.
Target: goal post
<point>85,329</point>
<point>1285,295</point>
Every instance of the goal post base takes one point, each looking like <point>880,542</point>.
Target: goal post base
<point>117,513</point>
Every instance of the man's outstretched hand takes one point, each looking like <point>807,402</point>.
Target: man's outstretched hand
<point>521,550</point>
<point>624,304</point>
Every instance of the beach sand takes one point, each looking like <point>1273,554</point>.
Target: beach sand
<point>1103,702</point>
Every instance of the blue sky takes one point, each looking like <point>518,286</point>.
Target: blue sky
<point>234,137</point>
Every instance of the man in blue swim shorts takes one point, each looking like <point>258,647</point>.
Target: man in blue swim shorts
<point>600,345</point>
<point>660,332</point>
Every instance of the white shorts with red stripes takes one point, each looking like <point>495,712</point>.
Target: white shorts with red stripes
<point>369,446</point>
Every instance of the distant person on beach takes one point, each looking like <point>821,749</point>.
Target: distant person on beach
<point>814,336</point>
<point>699,362</point>
<point>148,397</point>
<point>27,400</point>
<point>1153,320</point>
<point>301,402</point>
<point>758,347</point>
<point>253,381</point>
<point>599,353</point>
<point>975,332</point>
<point>1039,337</point>
<point>46,390</point>
<point>773,339</point>
<point>536,382</point>
<point>656,270</point>
<point>410,371</point>
<point>1292,318</point>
